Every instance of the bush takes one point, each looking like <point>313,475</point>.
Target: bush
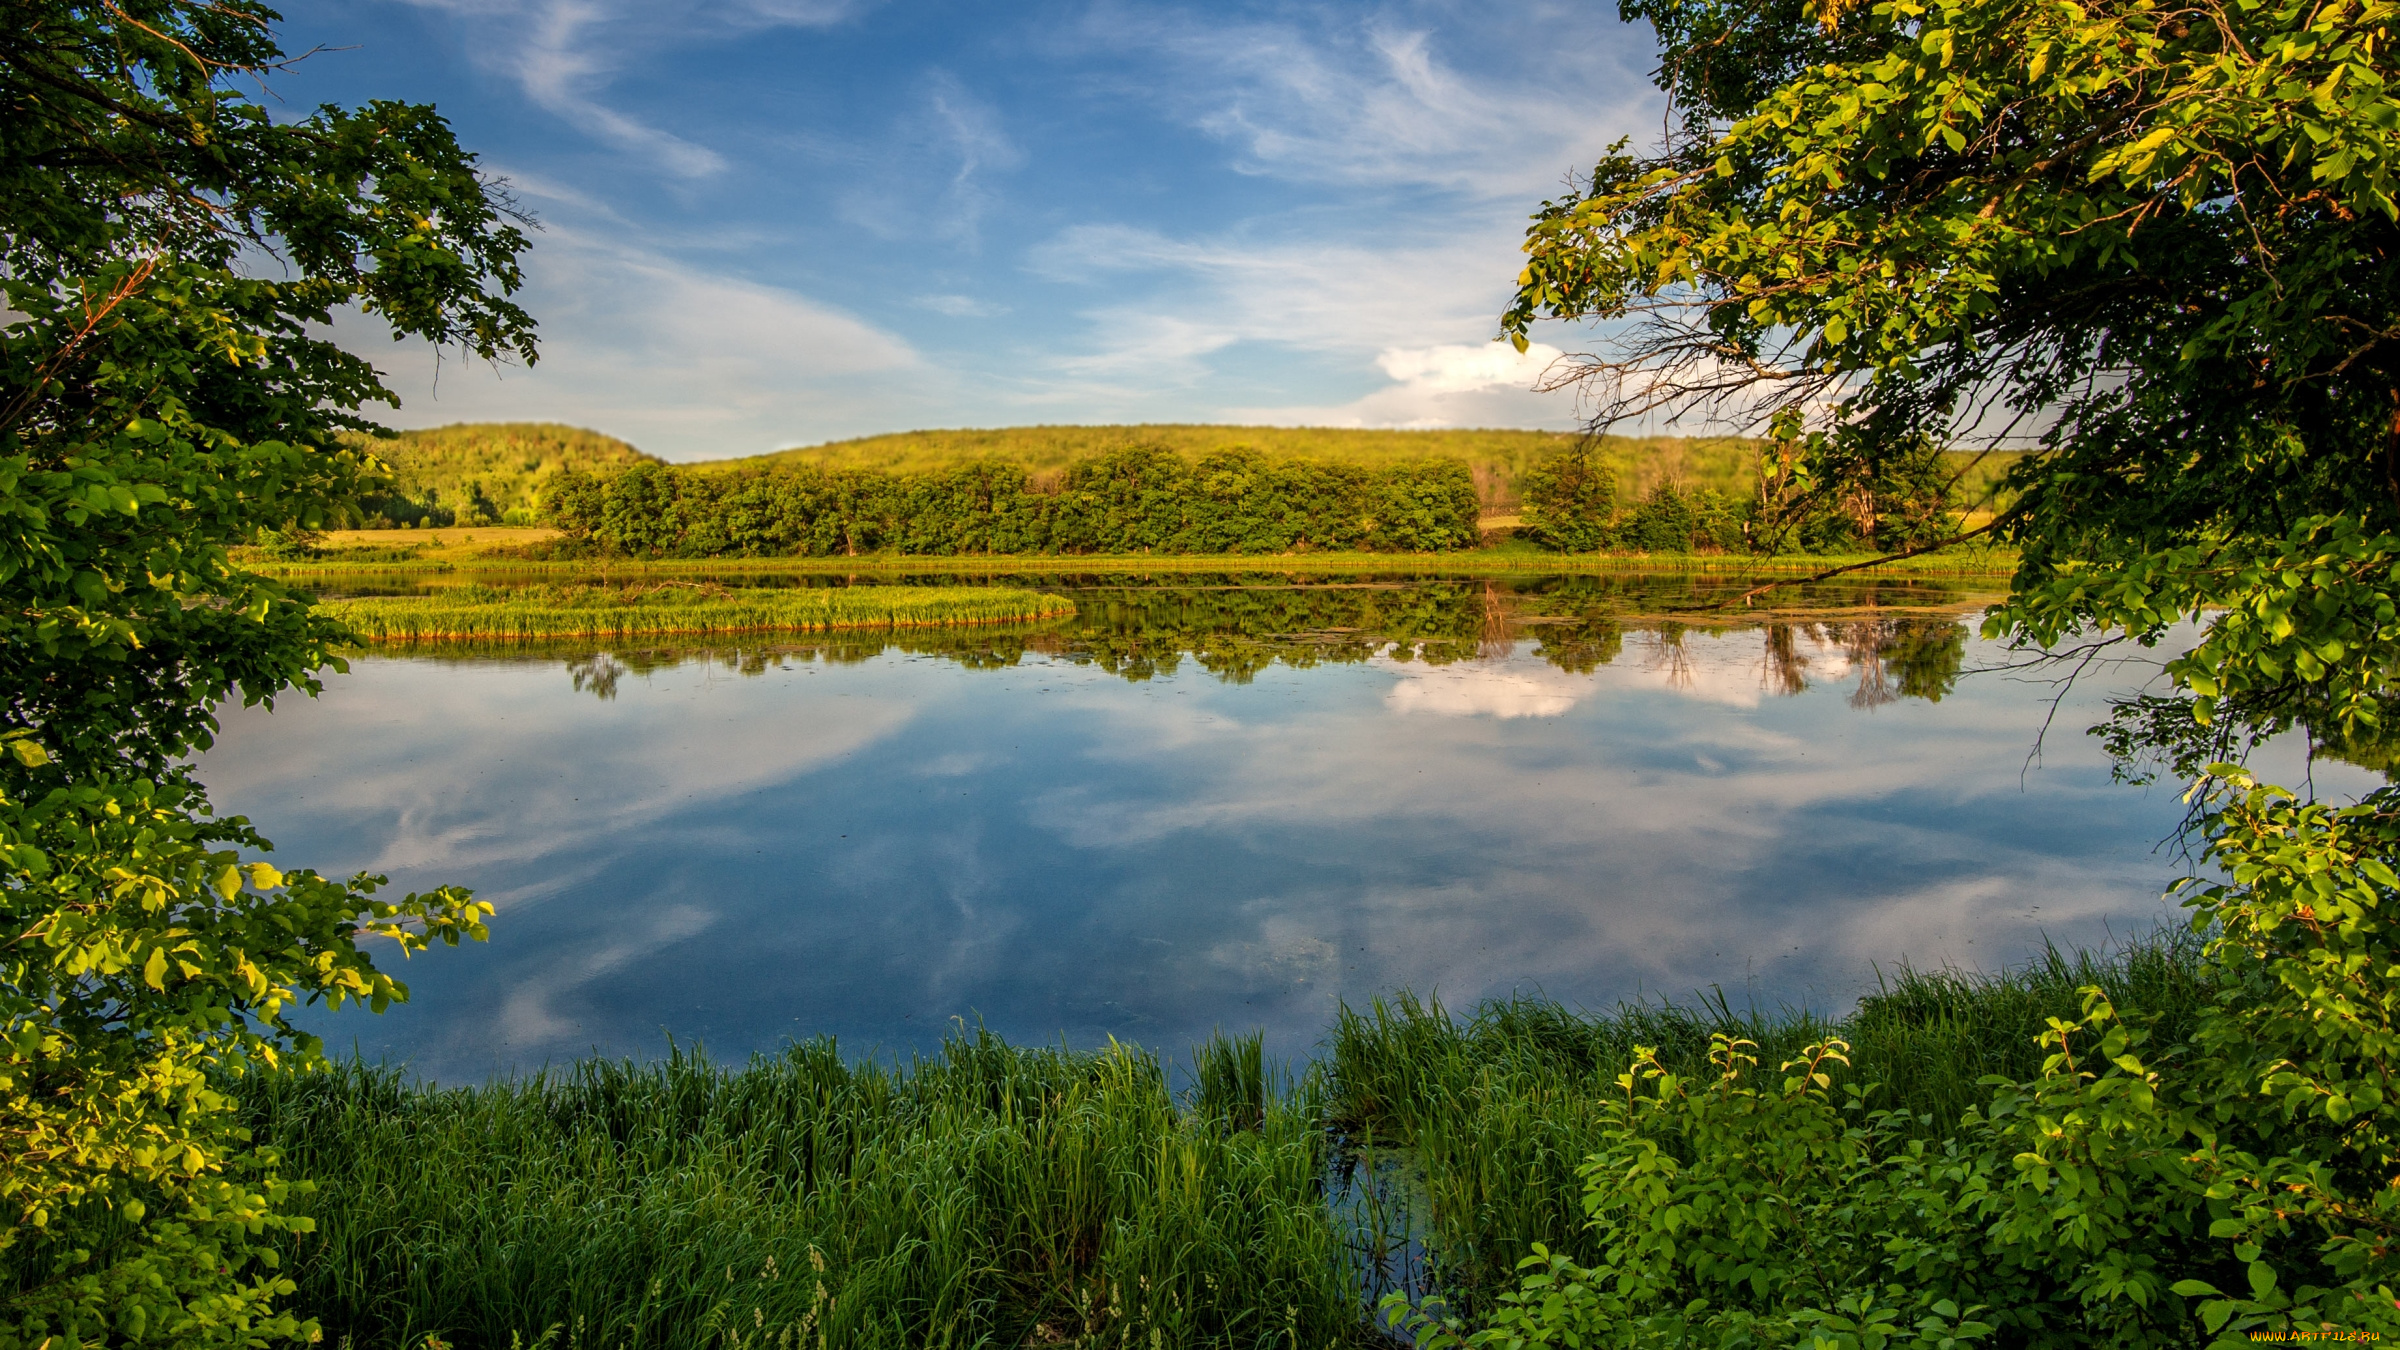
<point>2234,1181</point>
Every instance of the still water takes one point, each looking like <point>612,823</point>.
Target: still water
<point>1208,806</point>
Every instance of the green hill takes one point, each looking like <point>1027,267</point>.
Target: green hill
<point>486,472</point>
<point>1498,458</point>
<point>476,473</point>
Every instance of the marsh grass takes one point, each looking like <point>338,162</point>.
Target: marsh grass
<point>1965,562</point>
<point>1494,1111</point>
<point>987,1195</point>
<point>990,1194</point>
<point>486,613</point>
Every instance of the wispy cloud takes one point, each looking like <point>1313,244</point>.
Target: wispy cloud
<point>1376,101</point>
<point>960,306</point>
<point>682,361</point>
<point>563,54</point>
<point>1453,385</point>
<point>1386,305</point>
<point>933,175</point>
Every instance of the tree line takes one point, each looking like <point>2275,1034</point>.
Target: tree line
<point>1149,499</point>
<point>1136,499</point>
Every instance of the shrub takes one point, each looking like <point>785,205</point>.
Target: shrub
<point>1570,501</point>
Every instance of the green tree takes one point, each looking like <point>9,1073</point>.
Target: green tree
<point>1570,500</point>
<point>2159,244</point>
<point>167,245</point>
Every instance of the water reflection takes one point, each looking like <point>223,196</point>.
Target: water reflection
<point>1234,630</point>
<point>1216,804</point>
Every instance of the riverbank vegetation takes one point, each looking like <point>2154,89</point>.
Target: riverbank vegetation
<point>1012,1195</point>
<point>669,609</point>
<point>479,553</point>
<point>2158,245</point>
<point>1149,499</point>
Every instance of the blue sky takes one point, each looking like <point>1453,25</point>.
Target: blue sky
<point>777,222</point>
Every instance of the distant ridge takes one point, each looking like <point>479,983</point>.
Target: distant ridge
<point>480,472</point>
<point>1496,457</point>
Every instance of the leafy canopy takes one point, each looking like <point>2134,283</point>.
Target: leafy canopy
<point>165,243</point>
<point>2155,240</point>
<point>2158,242</point>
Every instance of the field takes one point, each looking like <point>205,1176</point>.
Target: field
<point>1007,1195</point>
<point>488,613</point>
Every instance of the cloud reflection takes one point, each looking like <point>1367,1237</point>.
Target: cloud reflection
<point>871,848</point>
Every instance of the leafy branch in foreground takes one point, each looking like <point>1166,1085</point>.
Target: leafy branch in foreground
<point>2160,243</point>
<point>162,399</point>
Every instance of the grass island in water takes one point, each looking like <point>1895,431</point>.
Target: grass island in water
<point>487,612</point>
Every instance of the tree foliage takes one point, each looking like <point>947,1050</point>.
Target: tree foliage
<point>168,244</point>
<point>2157,239</point>
<point>2158,242</point>
<point>1134,499</point>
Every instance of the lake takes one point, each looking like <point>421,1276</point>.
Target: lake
<point>1212,803</point>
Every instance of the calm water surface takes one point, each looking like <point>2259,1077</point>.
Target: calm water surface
<point>1196,808</point>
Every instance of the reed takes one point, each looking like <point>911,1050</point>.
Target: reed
<point>1004,1195</point>
<point>988,1195</point>
<point>484,613</point>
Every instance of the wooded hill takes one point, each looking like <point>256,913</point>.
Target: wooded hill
<point>481,472</point>
<point>1497,458</point>
<point>475,473</point>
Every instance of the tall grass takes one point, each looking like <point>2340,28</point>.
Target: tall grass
<point>1001,1195</point>
<point>989,1195</point>
<point>487,613</point>
<point>1497,1109</point>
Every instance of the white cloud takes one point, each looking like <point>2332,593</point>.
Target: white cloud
<point>961,306</point>
<point>1480,690</point>
<point>1456,369</point>
<point>1453,385</point>
<point>1176,301</point>
<point>681,361</point>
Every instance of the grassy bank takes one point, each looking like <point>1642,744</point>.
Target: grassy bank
<point>488,613</point>
<point>1004,1195</point>
<point>1495,562</point>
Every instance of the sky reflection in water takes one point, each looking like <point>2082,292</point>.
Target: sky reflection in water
<point>870,847</point>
